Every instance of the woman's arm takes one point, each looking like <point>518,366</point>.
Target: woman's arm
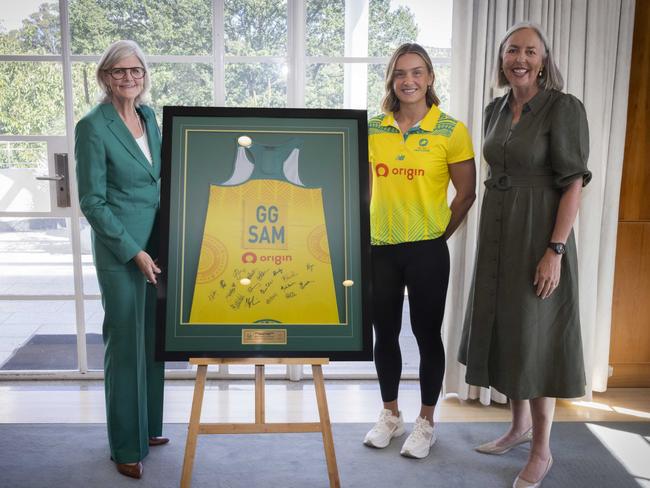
<point>92,186</point>
<point>463,177</point>
<point>547,274</point>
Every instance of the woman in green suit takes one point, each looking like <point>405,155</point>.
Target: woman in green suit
<point>117,150</point>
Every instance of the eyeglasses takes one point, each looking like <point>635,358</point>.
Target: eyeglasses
<point>119,73</point>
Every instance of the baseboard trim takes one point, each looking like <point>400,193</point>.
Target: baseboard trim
<point>630,375</point>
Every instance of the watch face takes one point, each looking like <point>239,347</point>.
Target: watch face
<point>558,247</point>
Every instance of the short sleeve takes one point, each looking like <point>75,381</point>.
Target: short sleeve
<point>460,145</point>
<point>569,144</point>
<point>373,129</point>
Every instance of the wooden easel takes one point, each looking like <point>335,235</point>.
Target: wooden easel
<point>260,426</point>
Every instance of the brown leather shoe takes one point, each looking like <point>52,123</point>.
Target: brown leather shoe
<point>130,470</point>
<point>158,441</point>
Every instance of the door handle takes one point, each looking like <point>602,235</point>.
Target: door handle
<point>50,178</point>
<point>61,179</point>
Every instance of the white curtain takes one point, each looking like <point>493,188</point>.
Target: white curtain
<point>592,44</point>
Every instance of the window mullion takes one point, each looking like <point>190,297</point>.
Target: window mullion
<point>296,52</point>
<point>75,231</point>
<point>355,85</point>
<point>218,53</point>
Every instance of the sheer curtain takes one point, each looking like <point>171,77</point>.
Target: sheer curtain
<point>592,43</point>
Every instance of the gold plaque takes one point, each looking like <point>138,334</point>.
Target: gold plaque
<point>264,336</point>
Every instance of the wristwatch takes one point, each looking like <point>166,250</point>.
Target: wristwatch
<point>558,247</point>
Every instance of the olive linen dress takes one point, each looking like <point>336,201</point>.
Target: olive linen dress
<point>513,340</point>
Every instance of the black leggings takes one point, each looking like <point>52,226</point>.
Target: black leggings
<point>423,268</point>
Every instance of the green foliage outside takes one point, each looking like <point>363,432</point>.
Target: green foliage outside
<point>31,93</point>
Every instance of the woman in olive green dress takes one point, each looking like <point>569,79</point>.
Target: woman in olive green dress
<point>522,327</point>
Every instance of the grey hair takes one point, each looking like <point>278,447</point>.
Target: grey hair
<point>113,55</point>
<point>551,78</point>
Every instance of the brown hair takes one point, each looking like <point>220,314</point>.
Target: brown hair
<point>390,102</point>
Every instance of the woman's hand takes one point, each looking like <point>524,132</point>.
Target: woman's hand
<point>147,266</point>
<point>547,274</point>
<point>463,177</point>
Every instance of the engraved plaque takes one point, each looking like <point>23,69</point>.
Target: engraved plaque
<point>264,336</point>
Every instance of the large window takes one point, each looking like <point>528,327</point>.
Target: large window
<point>277,53</point>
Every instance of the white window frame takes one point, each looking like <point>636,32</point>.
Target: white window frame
<point>296,59</point>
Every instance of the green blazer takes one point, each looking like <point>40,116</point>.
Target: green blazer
<point>119,190</point>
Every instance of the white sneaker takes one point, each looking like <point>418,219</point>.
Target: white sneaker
<point>417,444</point>
<point>384,430</point>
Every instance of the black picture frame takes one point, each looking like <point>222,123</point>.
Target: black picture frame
<point>195,315</point>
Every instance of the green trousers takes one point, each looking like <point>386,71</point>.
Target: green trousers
<point>133,380</point>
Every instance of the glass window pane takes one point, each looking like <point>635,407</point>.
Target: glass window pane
<point>256,85</point>
<point>390,24</point>
<point>85,91</point>
<point>324,86</point>
<point>91,287</point>
<point>20,191</point>
<point>325,28</point>
<point>180,84</point>
<point>255,27</point>
<point>37,335</point>
<point>165,27</point>
<point>94,314</point>
<point>31,100</point>
<point>35,256</point>
<point>171,84</point>
<point>393,22</point>
<point>443,76</point>
<point>30,27</point>
<point>376,74</point>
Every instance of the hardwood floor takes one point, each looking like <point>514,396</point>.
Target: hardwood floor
<point>233,401</point>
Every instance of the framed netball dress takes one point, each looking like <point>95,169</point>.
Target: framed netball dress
<point>264,234</point>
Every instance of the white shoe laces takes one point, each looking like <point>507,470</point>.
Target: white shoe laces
<point>386,422</point>
<point>421,431</point>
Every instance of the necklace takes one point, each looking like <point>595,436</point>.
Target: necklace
<point>137,117</point>
<point>140,126</point>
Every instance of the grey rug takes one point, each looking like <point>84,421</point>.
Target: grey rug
<point>59,352</point>
<point>74,455</point>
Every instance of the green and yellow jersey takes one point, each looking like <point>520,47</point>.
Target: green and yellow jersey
<point>411,175</point>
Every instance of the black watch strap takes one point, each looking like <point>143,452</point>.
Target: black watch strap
<point>557,247</point>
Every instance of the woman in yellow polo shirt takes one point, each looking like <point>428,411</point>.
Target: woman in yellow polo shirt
<point>415,149</point>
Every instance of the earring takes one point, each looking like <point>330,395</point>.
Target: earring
<point>541,73</point>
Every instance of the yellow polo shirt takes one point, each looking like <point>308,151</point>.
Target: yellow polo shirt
<point>410,175</point>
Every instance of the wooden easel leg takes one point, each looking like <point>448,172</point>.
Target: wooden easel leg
<point>193,430</point>
<point>260,416</point>
<point>326,427</point>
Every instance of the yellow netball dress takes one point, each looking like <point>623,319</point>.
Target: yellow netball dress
<point>265,226</point>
